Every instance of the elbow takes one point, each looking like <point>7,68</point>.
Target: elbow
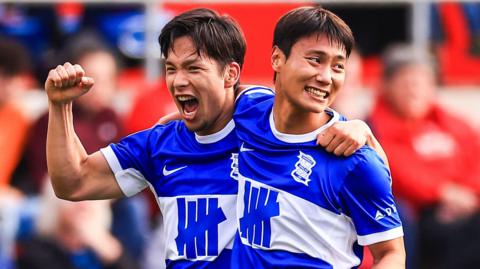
<point>67,196</point>
<point>69,192</point>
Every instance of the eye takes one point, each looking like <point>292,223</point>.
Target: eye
<point>169,69</point>
<point>339,67</point>
<point>193,68</point>
<point>314,59</point>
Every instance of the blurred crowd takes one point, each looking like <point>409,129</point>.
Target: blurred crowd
<point>38,230</point>
<point>432,155</point>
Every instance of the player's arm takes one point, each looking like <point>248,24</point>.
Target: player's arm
<point>346,137</point>
<point>388,254</point>
<point>169,117</point>
<point>75,175</point>
<point>366,197</point>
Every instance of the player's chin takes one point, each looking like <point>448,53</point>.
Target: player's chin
<point>314,107</point>
<point>196,126</point>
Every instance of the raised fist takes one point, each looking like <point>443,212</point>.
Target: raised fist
<point>66,83</point>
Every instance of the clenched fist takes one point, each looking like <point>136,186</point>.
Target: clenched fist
<point>66,83</point>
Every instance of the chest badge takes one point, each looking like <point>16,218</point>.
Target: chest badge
<point>303,168</point>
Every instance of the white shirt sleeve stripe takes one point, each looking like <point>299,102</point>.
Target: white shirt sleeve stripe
<point>255,89</point>
<point>130,180</point>
<point>365,240</point>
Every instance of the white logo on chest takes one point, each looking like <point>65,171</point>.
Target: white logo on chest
<point>169,172</point>
<point>234,166</point>
<point>303,168</point>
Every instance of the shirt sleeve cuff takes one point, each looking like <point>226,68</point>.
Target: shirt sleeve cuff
<point>130,180</point>
<point>365,240</point>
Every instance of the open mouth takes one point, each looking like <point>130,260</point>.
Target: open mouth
<point>189,105</point>
<point>317,92</point>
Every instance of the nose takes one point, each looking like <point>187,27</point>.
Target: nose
<point>180,80</point>
<point>324,75</point>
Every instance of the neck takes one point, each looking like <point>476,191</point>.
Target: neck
<point>290,119</point>
<point>223,118</point>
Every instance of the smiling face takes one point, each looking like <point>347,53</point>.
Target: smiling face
<point>309,79</point>
<point>201,89</point>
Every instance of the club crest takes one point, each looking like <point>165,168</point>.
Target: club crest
<point>303,168</point>
<point>234,166</point>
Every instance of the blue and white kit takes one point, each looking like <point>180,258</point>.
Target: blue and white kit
<point>194,180</point>
<point>299,206</point>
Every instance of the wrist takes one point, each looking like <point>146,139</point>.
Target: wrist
<point>58,105</point>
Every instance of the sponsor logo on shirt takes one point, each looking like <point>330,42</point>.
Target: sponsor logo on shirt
<point>198,222</point>
<point>244,149</point>
<point>260,205</point>
<point>387,212</point>
<point>167,172</point>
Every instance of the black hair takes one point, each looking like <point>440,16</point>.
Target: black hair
<point>218,37</point>
<point>306,21</point>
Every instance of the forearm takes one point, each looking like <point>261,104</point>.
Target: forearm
<point>65,153</point>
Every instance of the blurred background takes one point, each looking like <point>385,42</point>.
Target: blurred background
<point>116,43</point>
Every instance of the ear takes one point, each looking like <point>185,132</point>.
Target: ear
<point>232,74</point>
<point>277,59</point>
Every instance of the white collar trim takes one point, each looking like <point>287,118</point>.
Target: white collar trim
<point>301,138</point>
<point>215,137</point>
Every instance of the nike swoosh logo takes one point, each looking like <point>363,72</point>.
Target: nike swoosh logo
<point>169,172</point>
<point>243,149</point>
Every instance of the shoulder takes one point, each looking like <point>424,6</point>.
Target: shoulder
<point>364,166</point>
<point>252,95</point>
<point>170,128</point>
<point>158,132</point>
<point>367,172</point>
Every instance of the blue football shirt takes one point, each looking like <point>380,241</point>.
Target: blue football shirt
<point>194,180</point>
<point>299,206</point>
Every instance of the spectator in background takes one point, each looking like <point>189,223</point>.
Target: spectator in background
<point>14,64</point>
<point>349,101</point>
<point>153,102</point>
<point>433,159</point>
<point>73,235</point>
<point>97,124</point>
<point>14,125</point>
<point>95,121</point>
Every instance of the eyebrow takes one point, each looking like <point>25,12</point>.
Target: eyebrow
<point>324,54</point>
<point>190,60</point>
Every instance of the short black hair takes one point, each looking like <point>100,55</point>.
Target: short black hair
<point>306,21</point>
<point>218,37</point>
<point>14,58</point>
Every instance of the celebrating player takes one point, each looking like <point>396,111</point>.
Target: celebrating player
<point>299,206</point>
<point>190,165</point>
